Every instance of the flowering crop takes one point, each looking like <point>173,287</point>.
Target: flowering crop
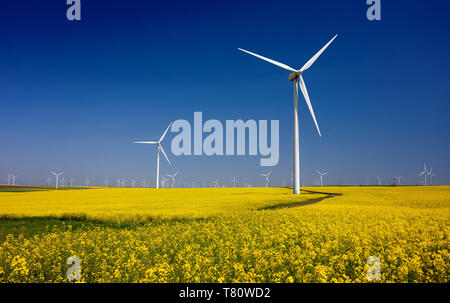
<point>230,235</point>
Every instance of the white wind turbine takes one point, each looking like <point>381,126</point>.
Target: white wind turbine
<point>379,180</point>
<point>296,77</point>
<point>9,179</point>
<point>13,178</point>
<point>118,182</point>
<point>87,181</point>
<point>431,174</point>
<point>160,148</point>
<point>133,183</point>
<point>144,183</point>
<point>57,177</point>
<point>63,181</point>
<point>173,178</point>
<point>49,180</point>
<point>321,176</point>
<point>216,183</point>
<point>234,181</point>
<point>267,178</point>
<point>106,183</point>
<point>425,173</point>
<point>397,180</point>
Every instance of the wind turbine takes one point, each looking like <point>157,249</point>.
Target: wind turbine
<point>57,177</point>
<point>173,178</point>
<point>234,181</point>
<point>48,180</point>
<point>13,177</point>
<point>106,182</point>
<point>379,180</point>
<point>87,181</point>
<point>160,148</point>
<point>63,181</point>
<point>267,178</point>
<point>9,179</point>
<point>431,174</point>
<point>321,175</point>
<point>216,183</point>
<point>425,173</point>
<point>397,179</point>
<point>118,182</point>
<point>144,183</point>
<point>296,77</point>
<point>133,183</point>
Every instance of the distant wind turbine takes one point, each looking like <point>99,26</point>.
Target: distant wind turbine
<point>397,180</point>
<point>87,181</point>
<point>160,148</point>
<point>133,183</point>
<point>106,183</point>
<point>57,177</point>
<point>13,177</point>
<point>215,183</point>
<point>321,176</point>
<point>267,178</point>
<point>424,173</point>
<point>234,181</point>
<point>431,174</point>
<point>379,180</point>
<point>296,77</point>
<point>173,178</point>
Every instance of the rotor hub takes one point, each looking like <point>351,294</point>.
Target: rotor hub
<point>294,76</point>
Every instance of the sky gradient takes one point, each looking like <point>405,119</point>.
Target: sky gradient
<point>74,95</point>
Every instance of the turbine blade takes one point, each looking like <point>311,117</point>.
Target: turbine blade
<point>164,153</point>
<point>284,66</point>
<point>314,58</point>
<point>421,173</point>
<point>305,94</point>
<point>146,142</point>
<point>162,137</point>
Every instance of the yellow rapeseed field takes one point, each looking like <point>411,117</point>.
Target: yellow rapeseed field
<point>227,234</point>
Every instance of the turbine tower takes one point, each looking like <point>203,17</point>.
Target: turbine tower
<point>267,178</point>
<point>57,177</point>
<point>379,180</point>
<point>397,180</point>
<point>13,178</point>
<point>87,181</point>
<point>297,79</point>
<point>216,183</point>
<point>424,173</point>
<point>234,181</point>
<point>106,182</point>
<point>431,174</point>
<point>173,178</point>
<point>9,179</point>
<point>321,176</point>
<point>160,148</point>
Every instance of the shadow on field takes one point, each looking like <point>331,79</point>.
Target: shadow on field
<point>302,203</point>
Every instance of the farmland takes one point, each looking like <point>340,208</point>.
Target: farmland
<point>226,234</point>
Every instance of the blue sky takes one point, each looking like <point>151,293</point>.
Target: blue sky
<point>74,95</point>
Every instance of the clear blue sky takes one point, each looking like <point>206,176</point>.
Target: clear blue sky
<point>74,95</point>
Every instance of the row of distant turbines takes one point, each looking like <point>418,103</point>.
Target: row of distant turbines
<point>169,181</point>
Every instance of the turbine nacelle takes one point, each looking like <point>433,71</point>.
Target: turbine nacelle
<point>294,76</point>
